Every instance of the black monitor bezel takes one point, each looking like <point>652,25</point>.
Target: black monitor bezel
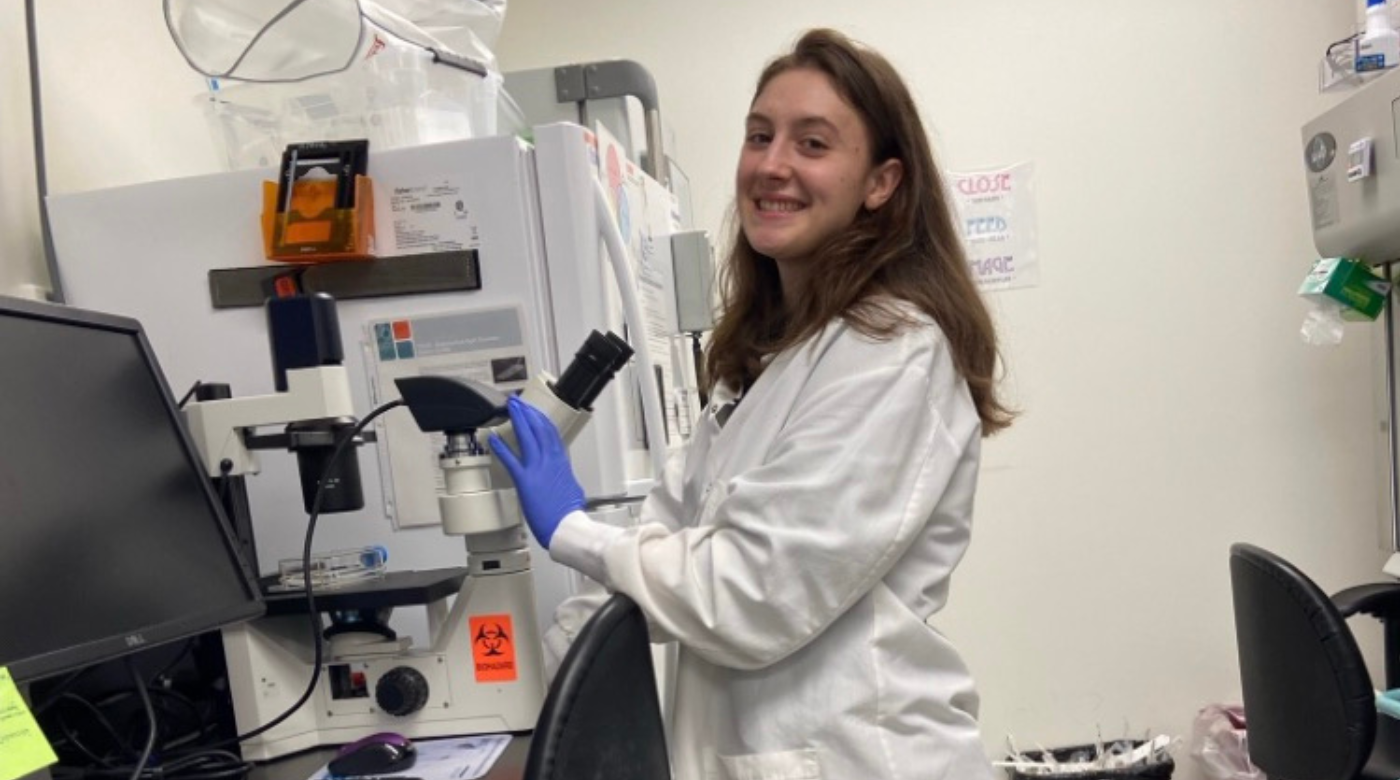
<point>107,648</point>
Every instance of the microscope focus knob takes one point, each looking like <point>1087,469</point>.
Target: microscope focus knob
<point>402,690</point>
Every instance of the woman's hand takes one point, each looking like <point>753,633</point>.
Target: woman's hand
<point>544,478</point>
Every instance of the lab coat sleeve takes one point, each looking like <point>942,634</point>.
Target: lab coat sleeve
<point>662,506</point>
<point>848,483</point>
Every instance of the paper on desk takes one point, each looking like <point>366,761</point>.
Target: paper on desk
<point>455,758</point>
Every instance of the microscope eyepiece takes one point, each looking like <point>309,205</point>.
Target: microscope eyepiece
<point>593,367</point>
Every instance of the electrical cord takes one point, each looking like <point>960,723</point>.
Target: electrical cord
<point>194,388</point>
<point>186,648</point>
<point>206,765</point>
<point>210,762</point>
<point>1335,44</point>
<point>99,718</point>
<point>313,616</point>
<point>172,703</point>
<point>54,695</point>
<point>112,758</point>
<point>152,730</point>
<point>71,736</point>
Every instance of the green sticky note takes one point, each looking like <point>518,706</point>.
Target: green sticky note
<point>23,747</point>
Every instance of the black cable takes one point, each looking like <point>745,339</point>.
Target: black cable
<point>198,765</point>
<point>194,388</point>
<point>57,691</point>
<point>150,745</point>
<point>314,616</point>
<point>206,765</point>
<point>70,734</point>
<point>100,718</point>
<point>185,650</point>
<point>111,751</point>
<point>162,702</point>
<point>1328,52</point>
<point>209,763</point>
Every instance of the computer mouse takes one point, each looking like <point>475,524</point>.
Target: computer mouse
<point>385,753</point>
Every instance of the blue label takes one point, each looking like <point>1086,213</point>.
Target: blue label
<point>1370,62</point>
<point>384,339</point>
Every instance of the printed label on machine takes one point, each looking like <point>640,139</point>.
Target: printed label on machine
<point>431,217</point>
<point>493,648</point>
<point>486,345</point>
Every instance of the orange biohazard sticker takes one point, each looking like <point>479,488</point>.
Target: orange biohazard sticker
<point>493,648</point>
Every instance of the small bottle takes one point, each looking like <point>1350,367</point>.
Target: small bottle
<point>1379,47</point>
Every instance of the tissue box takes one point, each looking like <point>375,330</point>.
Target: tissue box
<point>1361,291</point>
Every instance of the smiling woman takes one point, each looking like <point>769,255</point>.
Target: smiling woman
<point>836,180</point>
<point>805,172</point>
<point>799,545</point>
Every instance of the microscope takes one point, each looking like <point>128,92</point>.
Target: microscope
<point>482,671</point>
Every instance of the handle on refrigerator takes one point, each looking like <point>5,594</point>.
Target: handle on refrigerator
<point>615,79</point>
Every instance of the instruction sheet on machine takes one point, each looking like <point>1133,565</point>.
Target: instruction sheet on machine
<point>486,345</point>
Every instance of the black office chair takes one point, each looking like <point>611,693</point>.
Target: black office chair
<point>1309,703</point>
<point>602,716</point>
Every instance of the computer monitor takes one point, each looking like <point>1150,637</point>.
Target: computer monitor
<point>111,538</point>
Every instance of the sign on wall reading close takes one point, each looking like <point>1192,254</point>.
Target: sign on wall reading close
<point>996,213</point>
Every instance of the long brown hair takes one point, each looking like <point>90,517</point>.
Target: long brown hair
<point>907,249</point>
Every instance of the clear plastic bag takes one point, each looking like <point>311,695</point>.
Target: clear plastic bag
<point>1219,742</point>
<point>1323,325</point>
<point>285,41</point>
<point>394,72</point>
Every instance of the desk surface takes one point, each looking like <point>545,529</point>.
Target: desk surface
<point>510,766</point>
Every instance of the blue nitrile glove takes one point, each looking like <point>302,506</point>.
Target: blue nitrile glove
<point>544,479</point>
<point>1388,703</point>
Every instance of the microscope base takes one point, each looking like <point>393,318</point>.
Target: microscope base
<point>482,674</point>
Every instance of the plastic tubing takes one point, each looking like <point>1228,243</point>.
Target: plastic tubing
<point>651,396</point>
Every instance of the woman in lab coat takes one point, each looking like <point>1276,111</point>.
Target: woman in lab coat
<point>799,547</point>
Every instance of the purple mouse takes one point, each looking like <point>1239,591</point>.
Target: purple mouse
<point>385,753</point>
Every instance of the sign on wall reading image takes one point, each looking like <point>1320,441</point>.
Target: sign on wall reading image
<point>996,213</point>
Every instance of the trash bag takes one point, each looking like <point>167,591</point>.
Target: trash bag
<point>1221,744</point>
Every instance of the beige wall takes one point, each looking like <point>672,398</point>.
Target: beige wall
<point>1169,408</point>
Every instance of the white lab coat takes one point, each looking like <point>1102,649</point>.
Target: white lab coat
<point>797,553</point>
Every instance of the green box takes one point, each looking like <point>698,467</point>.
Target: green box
<point>1361,291</point>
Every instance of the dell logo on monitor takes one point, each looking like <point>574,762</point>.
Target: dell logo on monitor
<point>135,640</point>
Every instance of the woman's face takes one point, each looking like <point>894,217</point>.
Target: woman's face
<point>804,170</point>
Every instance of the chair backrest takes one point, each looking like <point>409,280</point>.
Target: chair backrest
<point>1309,706</point>
<point>602,716</point>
